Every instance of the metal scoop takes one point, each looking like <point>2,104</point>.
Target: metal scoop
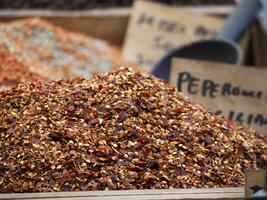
<point>223,48</point>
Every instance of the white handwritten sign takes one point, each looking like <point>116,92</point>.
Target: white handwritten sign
<point>154,29</point>
<point>236,92</point>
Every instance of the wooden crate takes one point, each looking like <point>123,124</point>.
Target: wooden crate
<point>170,194</point>
<point>111,25</point>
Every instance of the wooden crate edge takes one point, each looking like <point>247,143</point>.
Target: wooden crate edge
<point>213,193</point>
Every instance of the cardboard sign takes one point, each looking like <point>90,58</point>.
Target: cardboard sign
<point>154,29</point>
<point>237,92</point>
<point>254,181</point>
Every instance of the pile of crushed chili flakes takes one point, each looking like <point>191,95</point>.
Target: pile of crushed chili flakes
<point>123,130</point>
<point>13,72</point>
<point>41,44</point>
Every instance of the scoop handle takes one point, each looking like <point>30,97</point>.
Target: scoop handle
<point>236,24</point>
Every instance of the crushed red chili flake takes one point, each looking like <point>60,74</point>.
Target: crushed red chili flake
<point>39,43</point>
<point>104,133</point>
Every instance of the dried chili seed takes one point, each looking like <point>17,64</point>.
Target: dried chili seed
<point>54,149</point>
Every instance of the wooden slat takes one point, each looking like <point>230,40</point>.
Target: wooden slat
<point>209,10</point>
<point>215,193</point>
<point>58,13</point>
<point>222,10</point>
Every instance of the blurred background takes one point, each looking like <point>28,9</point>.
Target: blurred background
<point>90,4</point>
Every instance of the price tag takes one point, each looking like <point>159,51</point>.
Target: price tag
<point>154,29</point>
<point>237,92</point>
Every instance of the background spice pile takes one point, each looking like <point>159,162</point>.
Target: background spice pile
<point>41,45</point>
<point>123,130</point>
<point>13,72</point>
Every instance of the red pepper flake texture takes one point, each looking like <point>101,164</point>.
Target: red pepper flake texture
<point>123,130</point>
